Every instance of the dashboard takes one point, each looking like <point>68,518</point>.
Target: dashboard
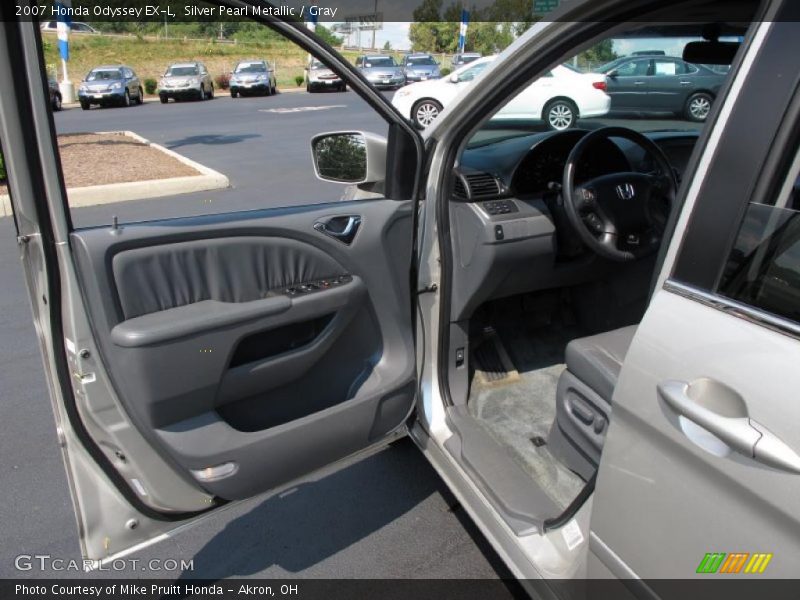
<point>544,164</point>
<point>510,231</point>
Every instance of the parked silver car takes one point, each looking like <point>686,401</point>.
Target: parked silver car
<point>381,71</point>
<point>252,77</point>
<point>182,81</point>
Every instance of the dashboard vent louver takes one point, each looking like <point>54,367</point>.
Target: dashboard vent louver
<point>459,191</point>
<point>482,185</point>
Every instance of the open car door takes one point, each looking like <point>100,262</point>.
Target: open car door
<point>700,471</point>
<point>200,360</point>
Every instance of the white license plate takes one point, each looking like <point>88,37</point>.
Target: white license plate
<point>99,95</point>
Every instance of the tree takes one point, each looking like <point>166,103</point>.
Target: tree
<point>327,35</point>
<point>597,55</point>
<point>387,46</point>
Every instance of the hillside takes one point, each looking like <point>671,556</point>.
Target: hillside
<point>150,57</point>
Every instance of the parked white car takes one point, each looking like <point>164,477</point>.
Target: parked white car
<point>560,98</point>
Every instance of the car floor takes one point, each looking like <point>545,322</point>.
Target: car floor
<point>513,397</point>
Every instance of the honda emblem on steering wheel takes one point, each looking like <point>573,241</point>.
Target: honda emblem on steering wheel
<point>626,191</point>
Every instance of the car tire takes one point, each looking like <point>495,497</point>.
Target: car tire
<point>202,92</point>
<point>85,105</point>
<point>274,88</point>
<point>268,91</point>
<point>309,89</point>
<point>560,114</point>
<point>126,99</point>
<point>234,94</point>
<point>163,99</point>
<point>211,92</point>
<point>140,97</point>
<point>698,107</point>
<point>56,102</point>
<point>425,112</point>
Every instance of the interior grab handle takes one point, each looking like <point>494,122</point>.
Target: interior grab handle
<point>729,421</point>
<point>343,229</point>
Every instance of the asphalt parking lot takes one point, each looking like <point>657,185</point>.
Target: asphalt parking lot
<point>386,515</point>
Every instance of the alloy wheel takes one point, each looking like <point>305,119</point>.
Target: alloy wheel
<point>426,113</point>
<point>560,116</point>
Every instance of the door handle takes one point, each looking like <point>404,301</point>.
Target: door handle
<point>721,411</point>
<point>638,83</point>
<point>343,229</point>
<point>686,83</point>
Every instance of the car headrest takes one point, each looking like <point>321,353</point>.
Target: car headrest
<point>710,53</point>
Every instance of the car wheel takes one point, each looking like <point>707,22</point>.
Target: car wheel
<point>425,112</point>
<point>126,99</point>
<point>211,92</point>
<point>140,98</point>
<point>560,115</point>
<point>163,99</point>
<point>85,105</point>
<point>268,91</point>
<point>56,102</point>
<point>234,94</point>
<point>274,88</point>
<point>698,107</point>
<point>202,92</point>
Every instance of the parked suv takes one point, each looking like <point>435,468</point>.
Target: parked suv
<point>319,77</point>
<point>420,67</point>
<point>109,85</point>
<point>182,81</point>
<point>252,77</point>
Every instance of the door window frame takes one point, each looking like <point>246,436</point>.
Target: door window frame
<point>761,170</point>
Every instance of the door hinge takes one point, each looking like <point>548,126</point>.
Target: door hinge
<point>428,289</point>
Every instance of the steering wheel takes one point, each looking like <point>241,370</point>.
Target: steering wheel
<point>617,215</point>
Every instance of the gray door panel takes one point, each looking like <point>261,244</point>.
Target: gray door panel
<point>221,355</point>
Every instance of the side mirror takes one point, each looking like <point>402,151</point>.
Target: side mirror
<point>352,157</point>
<point>454,78</point>
<point>613,74</point>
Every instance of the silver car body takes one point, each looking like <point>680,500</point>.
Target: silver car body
<point>381,71</point>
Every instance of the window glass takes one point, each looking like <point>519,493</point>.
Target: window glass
<point>668,67</point>
<point>634,68</point>
<point>472,72</point>
<point>191,149</point>
<point>763,269</point>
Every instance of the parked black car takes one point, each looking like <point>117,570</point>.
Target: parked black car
<point>662,84</point>
<point>55,94</point>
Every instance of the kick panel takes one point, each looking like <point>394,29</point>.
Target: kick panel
<point>222,334</point>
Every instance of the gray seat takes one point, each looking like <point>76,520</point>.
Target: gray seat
<point>583,398</point>
<point>597,360</point>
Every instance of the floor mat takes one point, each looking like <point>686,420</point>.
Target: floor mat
<point>519,415</point>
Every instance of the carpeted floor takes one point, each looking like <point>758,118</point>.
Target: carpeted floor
<point>522,410</point>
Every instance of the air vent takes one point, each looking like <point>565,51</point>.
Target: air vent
<point>459,191</point>
<point>482,185</point>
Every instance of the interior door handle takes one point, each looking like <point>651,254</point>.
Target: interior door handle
<point>721,411</point>
<point>343,229</point>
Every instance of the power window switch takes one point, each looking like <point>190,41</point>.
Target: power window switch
<point>499,234</point>
<point>460,357</point>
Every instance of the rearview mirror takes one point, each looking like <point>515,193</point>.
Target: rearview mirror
<point>710,53</point>
<point>349,157</point>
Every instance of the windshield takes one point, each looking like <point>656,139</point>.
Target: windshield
<point>317,65</point>
<point>379,61</point>
<point>256,67</point>
<point>181,71</point>
<point>420,61</point>
<point>626,80</point>
<point>104,75</point>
